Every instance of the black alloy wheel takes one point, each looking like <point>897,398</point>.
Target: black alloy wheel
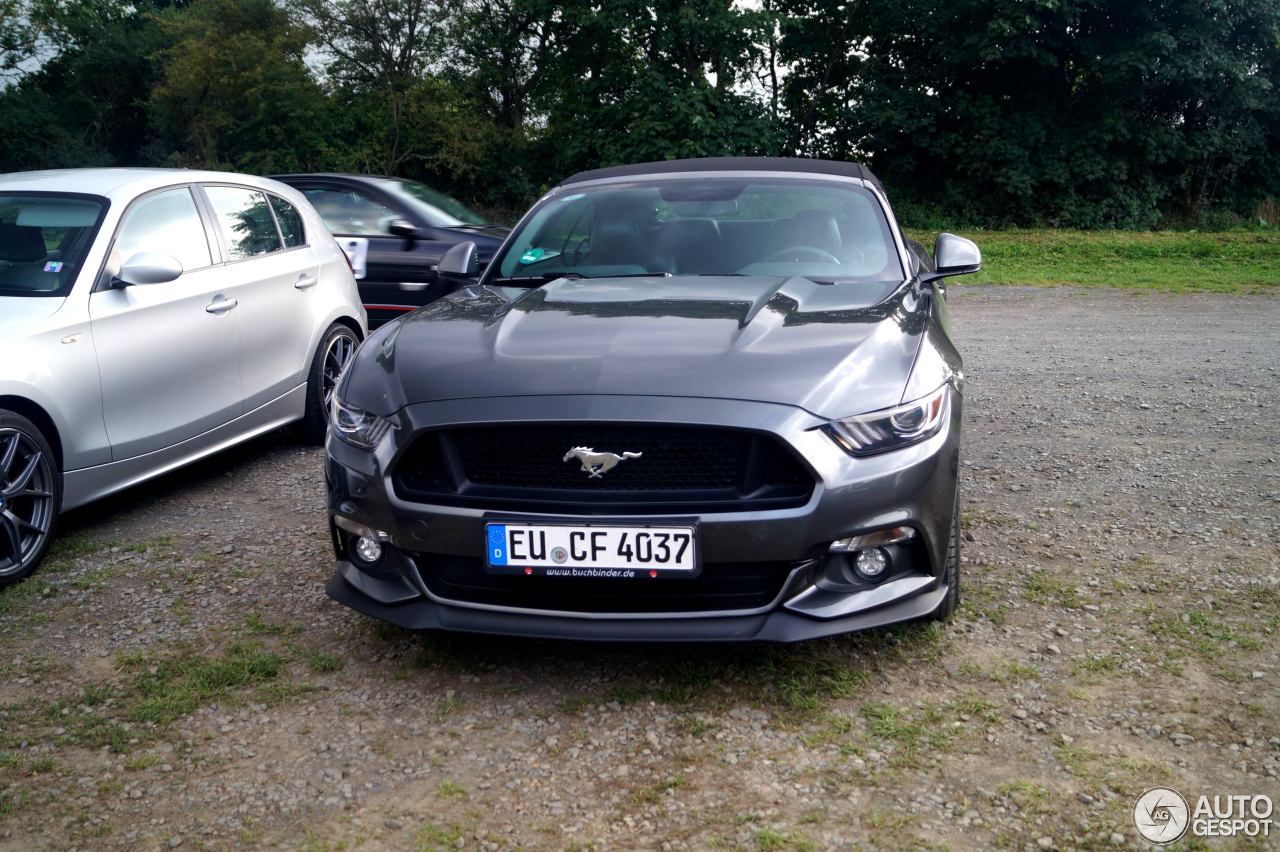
<point>335,351</point>
<point>29,497</point>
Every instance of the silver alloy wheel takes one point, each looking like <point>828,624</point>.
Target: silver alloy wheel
<point>335,358</point>
<point>26,499</point>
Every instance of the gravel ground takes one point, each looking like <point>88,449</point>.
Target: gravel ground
<point>175,675</point>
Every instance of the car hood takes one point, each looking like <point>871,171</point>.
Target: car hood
<point>488,238</point>
<point>833,349</point>
<point>496,232</point>
<point>23,312</point>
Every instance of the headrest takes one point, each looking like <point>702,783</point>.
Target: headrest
<point>816,228</point>
<point>686,232</point>
<point>616,242</point>
<point>21,244</point>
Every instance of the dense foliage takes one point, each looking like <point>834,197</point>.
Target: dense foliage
<point>1088,113</point>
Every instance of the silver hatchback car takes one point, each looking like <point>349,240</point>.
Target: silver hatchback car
<point>148,318</point>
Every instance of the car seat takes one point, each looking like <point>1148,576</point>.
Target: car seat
<point>691,247</point>
<point>22,258</point>
<point>617,242</point>
<point>812,228</point>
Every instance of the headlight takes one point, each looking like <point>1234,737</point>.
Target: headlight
<point>891,428</point>
<point>356,426</point>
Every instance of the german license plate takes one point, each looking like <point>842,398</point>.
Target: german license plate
<point>596,550</point>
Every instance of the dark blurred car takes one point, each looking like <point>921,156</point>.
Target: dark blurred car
<point>395,231</point>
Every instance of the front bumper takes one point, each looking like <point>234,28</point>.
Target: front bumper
<point>814,595</point>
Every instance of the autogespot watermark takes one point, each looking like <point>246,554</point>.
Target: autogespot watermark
<point>1162,816</point>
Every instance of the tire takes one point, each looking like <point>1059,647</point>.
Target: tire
<point>334,352</point>
<point>30,497</point>
<point>951,575</point>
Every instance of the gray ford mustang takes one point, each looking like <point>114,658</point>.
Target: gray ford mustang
<point>707,399</point>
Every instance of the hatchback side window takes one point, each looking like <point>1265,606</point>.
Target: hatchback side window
<point>290,222</point>
<point>245,220</point>
<point>167,223</point>
<point>351,213</point>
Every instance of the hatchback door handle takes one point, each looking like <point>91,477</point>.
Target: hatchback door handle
<point>306,281</point>
<point>221,306</point>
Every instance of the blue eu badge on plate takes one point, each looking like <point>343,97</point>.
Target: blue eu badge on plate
<point>497,544</point>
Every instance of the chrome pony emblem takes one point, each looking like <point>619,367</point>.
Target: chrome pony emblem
<point>597,464</point>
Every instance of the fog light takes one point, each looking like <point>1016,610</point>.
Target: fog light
<point>368,550</point>
<point>871,564</point>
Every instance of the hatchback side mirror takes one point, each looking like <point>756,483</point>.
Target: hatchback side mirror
<point>460,261</point>
<point>148,267</point>
<point>955,256</point>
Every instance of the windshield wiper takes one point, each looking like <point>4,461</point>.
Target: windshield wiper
<point>535,280</point>
<point>544,277</point>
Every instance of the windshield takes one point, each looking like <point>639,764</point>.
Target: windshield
<point>821,229</point>
<point>438,209</point>
<point>44,238</point>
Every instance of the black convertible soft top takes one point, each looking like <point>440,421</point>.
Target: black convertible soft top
<point>731,164</point>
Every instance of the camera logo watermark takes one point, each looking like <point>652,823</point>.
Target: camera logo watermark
<point>1162,816</point>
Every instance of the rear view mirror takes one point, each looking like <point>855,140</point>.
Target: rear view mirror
<point>460,261</point>
<point>149,267</point>
<point>956,256</point>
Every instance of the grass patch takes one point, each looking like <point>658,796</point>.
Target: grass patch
<point>258,626</point>
<point>1012,671</point>
<point>141,762</point>
<point>1099,663</point>
<point>16,599</point>
<point>767,839</point>
<point>807,685</point>
<point>170,687</point>
<point>1026,795</point>
<point>11,803</point>
<point>448,705</point>
<point>912,734</point>
<point>450,789</point>
<point>1173,261</point>
<point>980,602</point>
<point>434,836</point>
<point>66,549</point>
<point>651,794</point>
<point>1208,632</point>
<point>1045,589</point>
<point>322,662</point>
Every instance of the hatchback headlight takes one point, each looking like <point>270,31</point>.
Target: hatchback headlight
<point>891,428</point>
<point>356,426</point>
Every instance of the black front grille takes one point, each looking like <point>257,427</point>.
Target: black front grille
<point>521,467</point>
<point>720,587</point>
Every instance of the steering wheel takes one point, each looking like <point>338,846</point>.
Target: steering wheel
<point>796,253</point>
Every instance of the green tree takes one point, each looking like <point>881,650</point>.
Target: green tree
<point>656,80</point>
<point>1083,112</point>
<point>82,105</point>
<point>23,37</point>
<point>380,49</point>
<point>234,90</point>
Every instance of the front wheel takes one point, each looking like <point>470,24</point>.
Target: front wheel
<point>30,497</point>
<point>334,352</point>
<point>951,576</point>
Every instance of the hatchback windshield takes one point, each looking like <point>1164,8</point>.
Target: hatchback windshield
<point>44,238</point>
<point>438,209</point>
<point>707,226</point>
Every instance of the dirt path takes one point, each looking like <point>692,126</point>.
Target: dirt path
<point>175,675</point>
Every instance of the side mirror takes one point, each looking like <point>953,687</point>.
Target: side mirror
<point>955,256</point>
<point>403,228</point>
<point>460,261</point>
<point>148,267</point>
